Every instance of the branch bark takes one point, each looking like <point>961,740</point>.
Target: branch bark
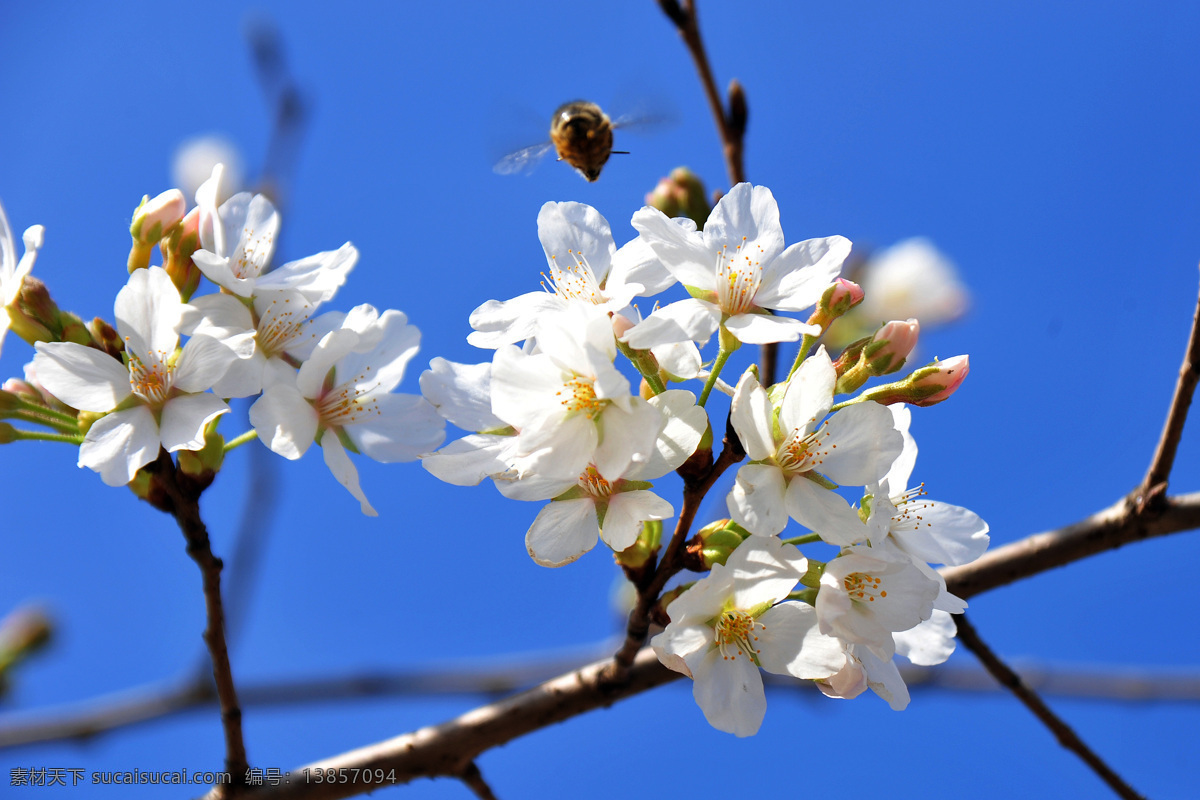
<point>446,749</point>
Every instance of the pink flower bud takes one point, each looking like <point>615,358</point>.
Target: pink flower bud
<point>621,325</point>
<point>926,386</point>
<point>154,218</point>
<point>944,379</point>
<point>890,346</point>
<point>842,296</point>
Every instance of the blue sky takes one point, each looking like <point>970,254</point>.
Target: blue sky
<point>1051,153</point>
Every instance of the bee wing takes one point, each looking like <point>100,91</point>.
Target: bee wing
<point>524,160</point>
<point>645,123</point>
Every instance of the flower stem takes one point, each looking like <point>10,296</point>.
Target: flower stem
<point>238,441</point>
<point>728,345</point>
<point>808,538</point>
<point>65,438</point>
<point>806,344</point>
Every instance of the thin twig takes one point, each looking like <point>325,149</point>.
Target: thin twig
<point>1154,485</point>
<point>1063,732</point>
<point>695,488</point>
<point>473,779</point>
<point>183,501</point>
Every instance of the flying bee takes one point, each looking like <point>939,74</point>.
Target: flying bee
<point>580,132</point>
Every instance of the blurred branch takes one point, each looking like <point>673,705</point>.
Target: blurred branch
<point>288,106</point>
<point>83,721</point>
<point>1154,485</point>
<point>1063,732</point>
<point>473,779</point>
<point>444,750</point>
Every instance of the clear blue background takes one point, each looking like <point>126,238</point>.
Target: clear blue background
<point>1050,149</point>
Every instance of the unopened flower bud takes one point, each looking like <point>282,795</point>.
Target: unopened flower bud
<point>23,632</point>
<point>841,296</point>
<point>882,354</point>
<point>8,434</point>
<point>681,194</point>
<point>106,338</point>
<point>205,462</point>
<point>152,220</point>
<point>177,252</point>
<point>641,553</point>
<point>714,543</point>
<point>926,386</point>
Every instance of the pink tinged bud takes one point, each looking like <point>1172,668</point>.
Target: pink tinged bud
<point>155,217</point>
<point>943,380</point>
<point>890,346</point>
<point>621,325</point>
<point>842,296</point>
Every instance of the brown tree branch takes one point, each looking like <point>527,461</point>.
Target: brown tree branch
<point>1154,485</point>
<point>179,495</point>
<point>443,750</point>
<point>698,478</point>
<point>1063,732</point>
<point>472,778</point>
<point>446,750</point>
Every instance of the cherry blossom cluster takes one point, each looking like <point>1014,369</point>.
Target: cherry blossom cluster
<point>554,417</point>
<point>160,376</point>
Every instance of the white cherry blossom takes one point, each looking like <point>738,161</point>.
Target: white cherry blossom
<point>855,447</point>
<point>341,398</point>
<point>13,272</point>
<point>737,272</point>
<point>928,530</point>
<point>570,404</point>
<point>585,266</point>
<point>736,620</point>
<point>612,509</point>
<point>237,240</point>
<point>159,399</point>
<point>869,593</point>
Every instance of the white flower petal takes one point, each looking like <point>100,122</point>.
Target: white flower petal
<point>792,644</point>
<point>184,418</point>
<point>562,532</point>
<point>747,216</point>
<point>284,420</point>
<point>404,428</point>
<point>825,512</point>
<point>800,275</point>
<point>867,444</point>
<point>462,394</point>
<point>750,412</point>
<point>688,320</point>
<point>757,499</point>
<point>501,322</point>
<point>766,328</point>
<point>148,313</point>
<point>119,444</point>
<point>730,693</point>
<point>809,393</point>
<point>82,377</point>
<point>626,512</point>
<point>343,470</point>
<point>930,643</point>
<point>682,251</point>
<point>317,277</point>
